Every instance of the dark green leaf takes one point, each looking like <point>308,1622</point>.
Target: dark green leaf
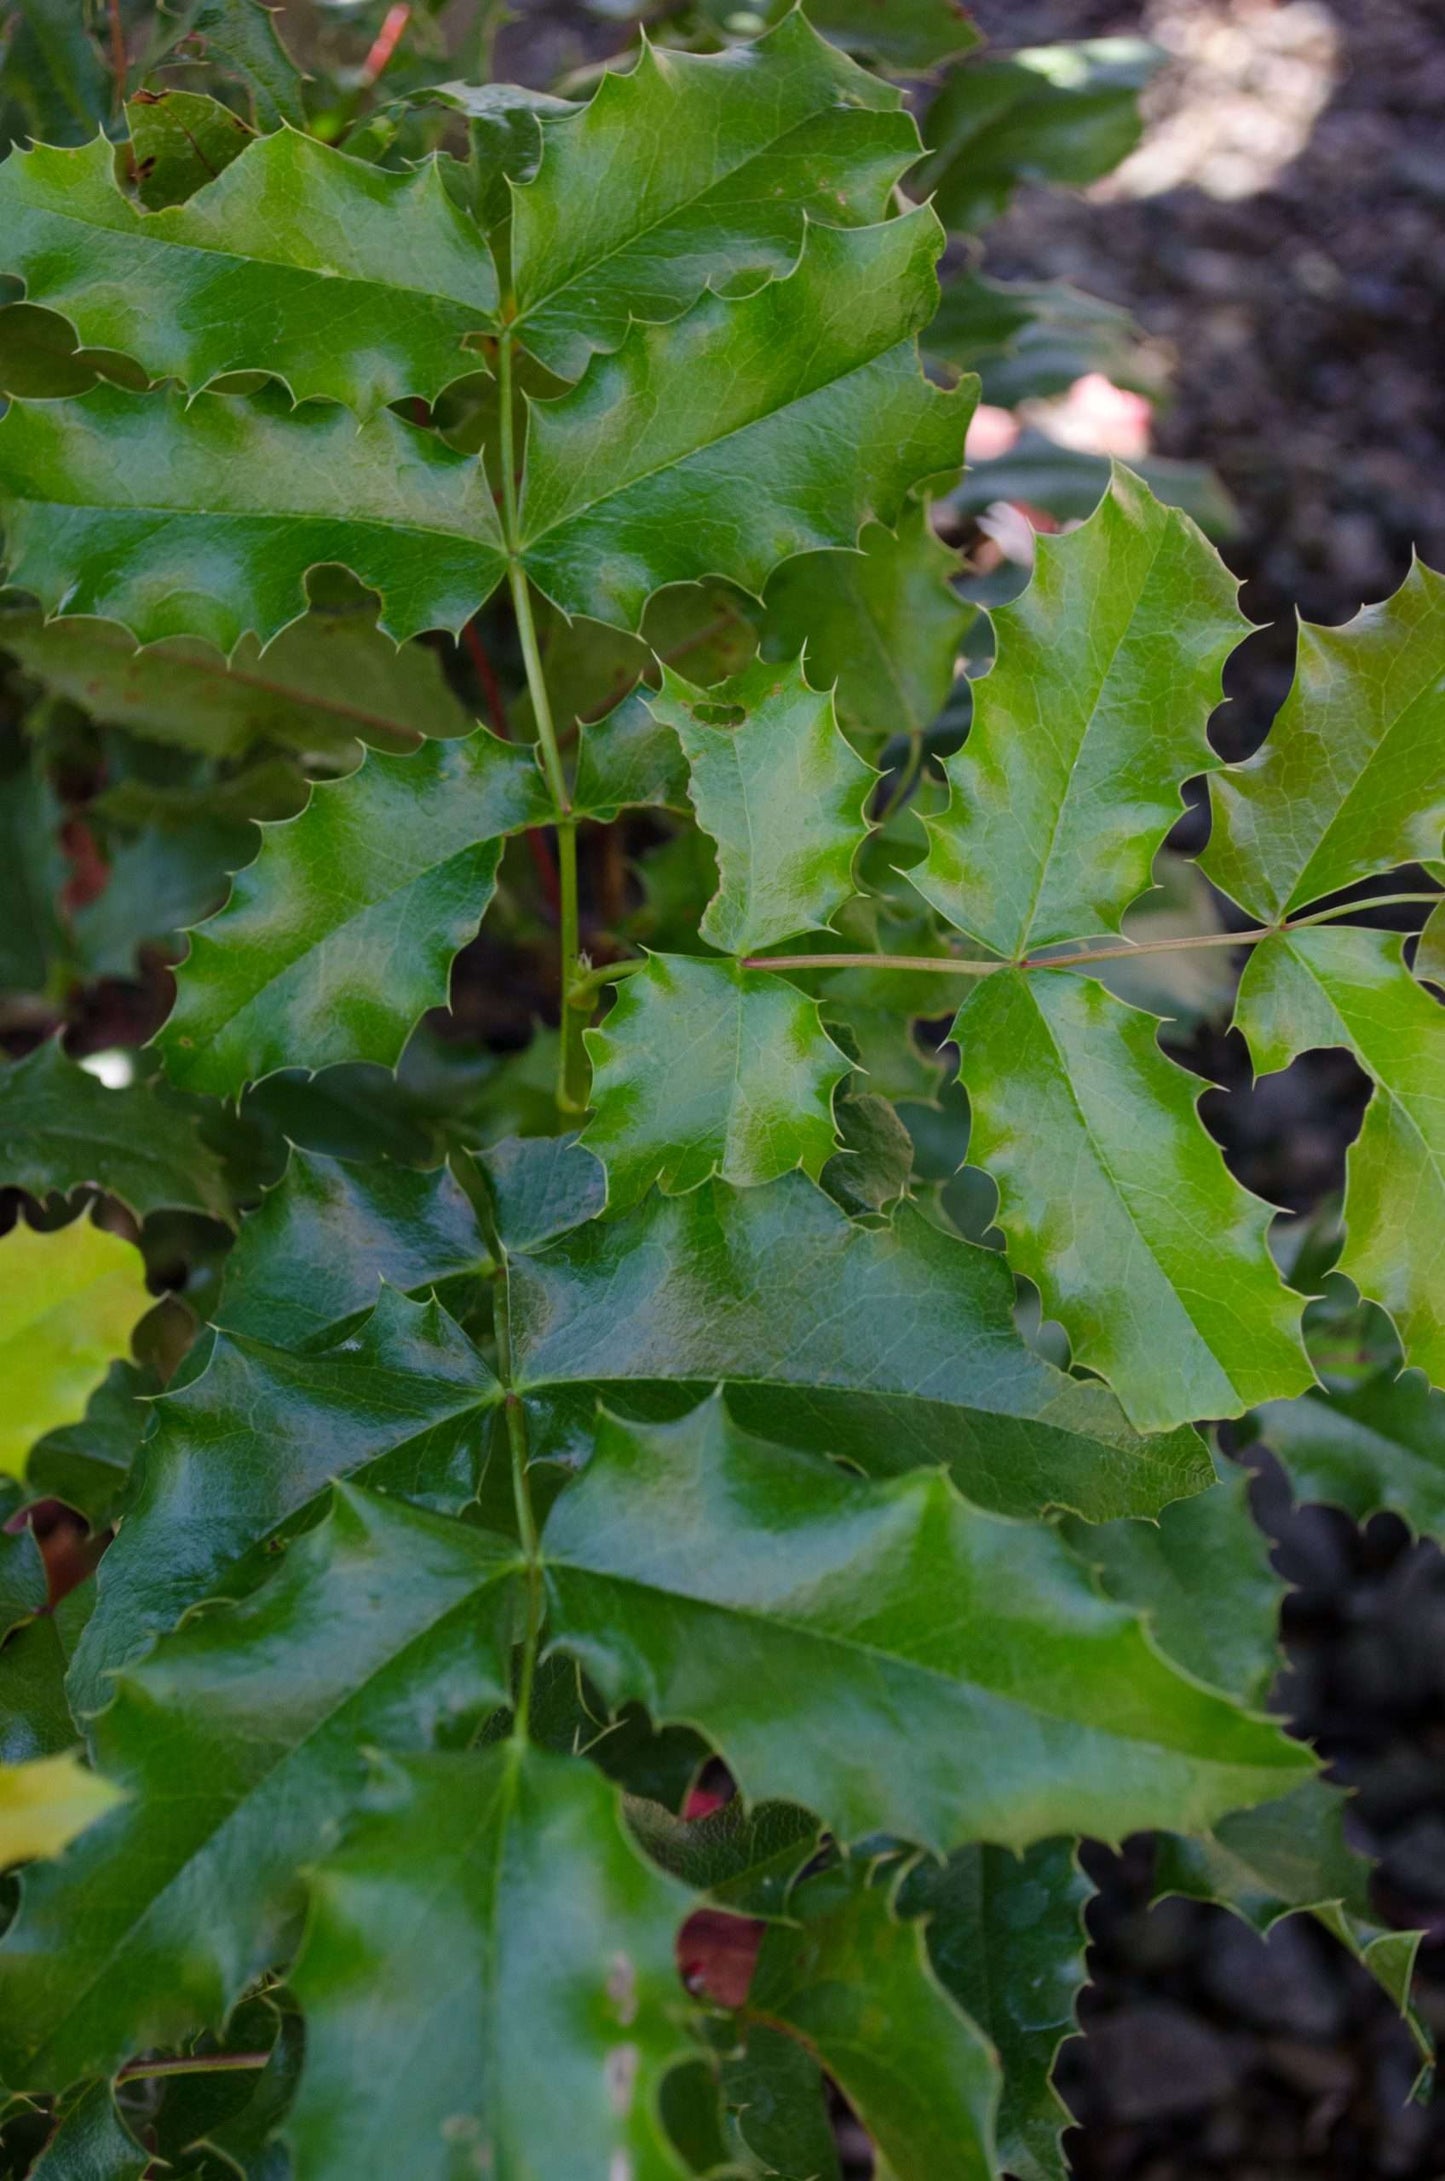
<point>906,36</point>
<point>1380,1445</point>
<point>239,1744</point>
<point>778,2109</point>
<point>32,873</point>
<point>871,1168</point>
<point>892,1347</point>
<point>1069,484</point>
<point>695,171</point>
<point>54,72</point>
<point>259,270</point>
<point>86,1464</point>
<point>705,1068</point>
<point>247,1448</point>
<point>61,1129</point>
<point>179,141</point>
<point>92,2143</point>
<point>240,37</point>
<point>493,1921</point>
<point>629,759</point>
<point>950,1676</point>
<point>201,517</point>
<point>743,1860</point>
<point>341,934</point>
<point>1006,1939</point>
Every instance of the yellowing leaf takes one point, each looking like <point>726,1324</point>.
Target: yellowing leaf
<point>69,1302</point>
<point>44,1804</point>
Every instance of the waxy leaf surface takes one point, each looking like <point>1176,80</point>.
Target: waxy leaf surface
<point>1351,778</point>
<point>494,1922</point>
<point>856,1985</point>
<point>1378,1445</point>
<point>342,933</point>
<point>253,1442</point>
<point>703,1068</point>
<point>1118,1204</point>
<point>239,1743</point>
<point>61,1129</point>
<point>695,171</point>
<point>1330,986</point>
<point>346,281</point>
<point>1108,668</point>
<point>743,432</point>
<point>780,794</point>
<point>894,1347</point>
<point>951,1676</point>
<point>202,517</point>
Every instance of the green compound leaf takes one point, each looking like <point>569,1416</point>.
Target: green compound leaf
<point>704,1068</point>
<point>951,1676</point>
<point>1352,776</point>
<point>325,681</point>
<point>893,1347</point>
<point>202,517</point>
<point>855,1984</point>
<point>493,1921</point>
<point>92,2140</point>
<point>744,432</point>
<point>179,141</point>
<point>1052,113</point>
<point>45,1804</point>
<point>69,1302</point>
<point>1289,1857</point>
<point>241,37</point>
<point>246,1451</point>
<point>882,627</point>
<point>61,1130</point>
<point>1119,1206</point>
<point>1379,1445</point>
<point>906,36</point>
<point>1108,669</point>
<point>1006,1939</point>
<point>239,1743</point>
<point>341,934</point>
<point>778,791</point>
<point>696,171</point>
<point>268,267</point>
<point>1202,1577</point>
<point>1329,986</point>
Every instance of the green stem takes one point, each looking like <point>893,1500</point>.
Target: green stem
<point>517,1450</point>
<point>592,981</point>
<point>952,965</point>
<point>213,2063</point>
<point>570,1097</point>
<point>907,781</point>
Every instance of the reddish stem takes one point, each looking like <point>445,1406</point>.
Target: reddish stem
<point>388,38</point>
<point>119,65</point>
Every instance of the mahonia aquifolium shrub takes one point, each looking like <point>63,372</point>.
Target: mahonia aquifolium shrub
<point>645,1416</point>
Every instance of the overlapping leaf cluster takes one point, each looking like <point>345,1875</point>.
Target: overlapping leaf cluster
<point>510,1494</point>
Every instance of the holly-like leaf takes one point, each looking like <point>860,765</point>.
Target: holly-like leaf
<point>1352,776</point>
<point>23,1587</point>
<point>777,2117</point>
<point>1381,1444</point>
<point>492,1918</point>
<point>87,1463</point>
<point>906,36</point>
<point>292,237</point>
<point>92,2140</point>
<point>241,37</point>
<point>893,1347</point>
<point>882,626</point>
<point>693,1569</point>
<point>696,171</point>
<point>855,1984</point>
<point>1006,1939</point>
<point>179,141</point>
<point>257,1438</point>
<point>1331,986</point>
<point>1052,113</point>
<point>1287,1857</point>
<point>44,1805</point>
<point>60,1129</point>
<point>69,1302</point>
<point>1201,1575</point>
<point>778,791</point>
<point>743,1860</point>
<point>201,517</point>
<point>705,1068</point>
<point>1108,668</point>
<point>54,72</point>
<point>628,760</point>
<point>239,1744</point>
<point>311,1256</point>
<point>341,934</point>
<point>1119,1206</point>
<point>743,432</point>
<point>326,681</point>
